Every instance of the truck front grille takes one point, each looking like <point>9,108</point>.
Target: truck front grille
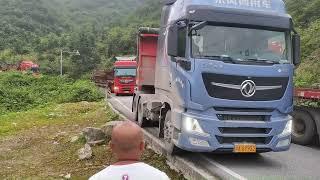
<point>231,117</point>
<point>229,87</point>
<point>243,109</point>
<point>229,130</point>
<point>126,89</point>
<point>232,140</point>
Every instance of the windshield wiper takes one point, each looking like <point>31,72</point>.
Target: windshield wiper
<point>224,58</point>
<point>198,26</point>
<point>262,60</point>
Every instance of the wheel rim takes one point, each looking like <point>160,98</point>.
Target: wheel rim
<point>168,131</point>
<point>299,128</point>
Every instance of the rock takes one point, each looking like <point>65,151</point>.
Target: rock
<point>74,139</point>
<point>93,143</point>
<point>94,135</point>
<point>107,128</point>
<point>68,176</point>
<point>85,153</point>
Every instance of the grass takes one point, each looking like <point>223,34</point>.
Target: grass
<point>36,144</point>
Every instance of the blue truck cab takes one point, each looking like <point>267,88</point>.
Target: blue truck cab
<point>223,76</point>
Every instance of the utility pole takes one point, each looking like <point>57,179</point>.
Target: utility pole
<point>61,62</point>
<point>75,52</point>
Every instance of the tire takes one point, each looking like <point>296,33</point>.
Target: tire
<point>315,114</point>
<point>168,135</point>
<point>135,110</point>
<point>304,128</point>
<point>140,118</point>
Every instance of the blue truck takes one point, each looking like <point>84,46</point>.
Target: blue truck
<point>217,76</point>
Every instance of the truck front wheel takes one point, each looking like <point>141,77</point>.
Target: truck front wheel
<point>303,128</point>
<point>168,134</point>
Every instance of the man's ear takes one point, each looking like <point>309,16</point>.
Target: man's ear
<point>142,146</point>
<point>111,145</point>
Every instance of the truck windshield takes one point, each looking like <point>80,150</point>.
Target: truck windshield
<point>125,72</point>
<point>240,44</point>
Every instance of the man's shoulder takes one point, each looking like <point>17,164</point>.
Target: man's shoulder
<point>100,175</point>
<point>149,168</point>
<point>141,167</point>
<point>152,170</point>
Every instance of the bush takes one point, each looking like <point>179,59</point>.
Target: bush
<point>308,72</point>
<point>20,92</point>
<point>82,90</point>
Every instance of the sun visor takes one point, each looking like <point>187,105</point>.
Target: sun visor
<point>238,17</point>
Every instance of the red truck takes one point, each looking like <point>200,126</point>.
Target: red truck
<point>306,119</point>
<point>24,65</point>
<point>28,65</point>
<point>124,77</point>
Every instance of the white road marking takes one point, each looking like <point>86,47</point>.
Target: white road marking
<point>218,165</point>
<point>225,169</point>
<point>116,99</point>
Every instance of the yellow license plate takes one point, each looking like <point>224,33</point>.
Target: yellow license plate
<point>245,148</point>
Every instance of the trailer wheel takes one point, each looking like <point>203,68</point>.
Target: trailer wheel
<point>303,128</point>
<point>141,119</point>
<point>168,134</point>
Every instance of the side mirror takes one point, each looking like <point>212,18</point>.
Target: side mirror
<point>296,49</point>
<point>172,43</point>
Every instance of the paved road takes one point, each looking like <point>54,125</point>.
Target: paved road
<point>298,163</point>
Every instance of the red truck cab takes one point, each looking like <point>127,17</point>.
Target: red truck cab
<point>124,77</point>
<point>27,65</point>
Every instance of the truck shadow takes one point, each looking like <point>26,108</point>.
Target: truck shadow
<point>250,160</point>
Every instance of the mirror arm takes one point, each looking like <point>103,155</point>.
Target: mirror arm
<point>294,31</point>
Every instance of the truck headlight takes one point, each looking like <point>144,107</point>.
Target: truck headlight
<point>288,129</point>
<point>192,125</point>
<point>116,88</point>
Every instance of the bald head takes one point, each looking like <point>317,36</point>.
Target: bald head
<point>127,140</point>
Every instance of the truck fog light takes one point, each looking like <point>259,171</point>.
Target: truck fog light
<point>198,142</point>
<point>283,143</point>
<point>192,125</point>
<point>288,129</point>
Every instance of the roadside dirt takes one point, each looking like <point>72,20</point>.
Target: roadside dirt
<point>46,151</point>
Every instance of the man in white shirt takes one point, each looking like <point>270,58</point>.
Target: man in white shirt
<point>127,143</point>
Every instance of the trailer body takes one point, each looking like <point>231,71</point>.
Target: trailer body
<point>205,82</point>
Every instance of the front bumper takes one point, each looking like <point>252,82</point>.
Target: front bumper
<point>123,89</point>
<point>215,139</point>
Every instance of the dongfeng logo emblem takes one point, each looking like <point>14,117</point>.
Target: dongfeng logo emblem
<point>248,88</point>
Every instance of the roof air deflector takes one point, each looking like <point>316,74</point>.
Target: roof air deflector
<point>169,2</point>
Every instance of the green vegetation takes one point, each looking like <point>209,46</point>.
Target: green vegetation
<point>99,29</point>
<point>102,29</point>
<point>306,14</point>
<point>20,92</point>
<point>35,144</point>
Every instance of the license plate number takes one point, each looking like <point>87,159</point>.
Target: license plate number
<point>245,148</point>
<point>127,92</point>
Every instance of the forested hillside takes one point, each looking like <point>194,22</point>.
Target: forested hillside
<point>306,14</point>
<point>38,29</point>
<point>101,29</point>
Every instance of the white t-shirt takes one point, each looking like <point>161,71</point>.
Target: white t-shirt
<point>136,171</point>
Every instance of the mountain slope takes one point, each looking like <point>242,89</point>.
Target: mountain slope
<point>306,15</point>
